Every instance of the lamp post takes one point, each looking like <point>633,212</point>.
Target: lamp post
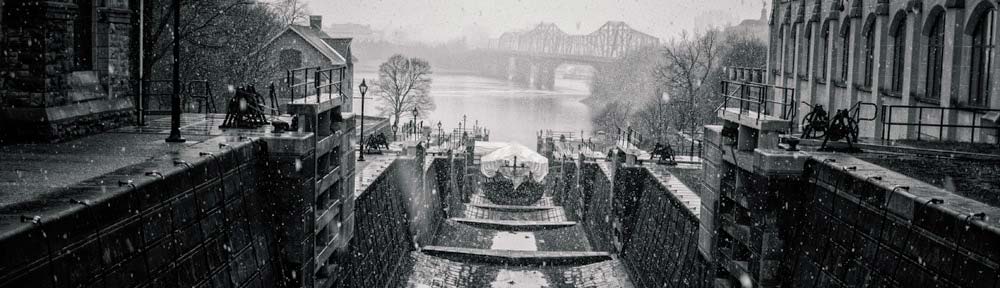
<point>363,88</point>
<point>415,113</point>
<point>464,125</point>
<point>394,129</point>
<point>439,133</point>
<point>175,99</point>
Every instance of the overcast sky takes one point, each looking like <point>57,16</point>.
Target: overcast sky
<point>441,20</point>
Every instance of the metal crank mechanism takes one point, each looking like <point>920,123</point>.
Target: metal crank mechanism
<point>817,121</point>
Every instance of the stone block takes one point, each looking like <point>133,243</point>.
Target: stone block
<point>779,162</point>
<point>192,269</point>
<point>80,264</point>
<point>39,276</point>
<point>130,274</point>
<point>185,210</point>
<point>23,243</point>
<point>160,254</point>
<point>209,196</point>
<point>121,242</point>
<point>289,143</point>
<point>187,238</point>
<point>232,185</point>
<point>712,135</point>
<point>212,223</point>
<point>747,138</point>
<point>711,176</point>
<point>157,223</point>
<point>243,267</point>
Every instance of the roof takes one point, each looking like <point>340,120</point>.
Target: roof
<point>315,39</point>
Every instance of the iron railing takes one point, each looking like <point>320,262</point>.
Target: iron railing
<point>941,125</point>
<point>746,74</point>
<point>309,81</point>
<point>759,98</point>
<point>155,97</point>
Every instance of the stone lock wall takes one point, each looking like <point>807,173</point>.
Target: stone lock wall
<point>188,220</point>
<point>864,225</point>
<point>382,242</point>
<point>661,247</point>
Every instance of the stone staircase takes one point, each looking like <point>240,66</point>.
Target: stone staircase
<point>484,244</point>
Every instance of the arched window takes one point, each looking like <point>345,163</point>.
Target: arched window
<point>845,60</point>
<point>790,51</point>
<point>869,56</point>
<point>804,51</point>
<point>982,60</point>
<point>289,59</point>
<point>935,59</point>
<point>898,55</point>
<point>824,44</point>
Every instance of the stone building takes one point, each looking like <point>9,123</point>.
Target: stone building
<point>309,47</point>
<point>926,62</point>
<point>65,68</point>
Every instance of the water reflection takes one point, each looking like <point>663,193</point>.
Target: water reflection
<point>510,111</point>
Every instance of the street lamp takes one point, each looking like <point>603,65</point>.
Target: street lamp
<point>363,88</point>
<point>394,129</point>
<point>175,99</point>
<point>439,132</point>
<point>415,113</point>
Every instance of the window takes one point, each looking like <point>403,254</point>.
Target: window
<point>845,51</point>
<point>804,51</point>
<point>84,35</point>
<point>290,59</point>
<point>935,59</point>
<point>824,45</point>
<point>869,56</point>
<point>982,60</point>
<point>790,51</point>
<point>898,56</point>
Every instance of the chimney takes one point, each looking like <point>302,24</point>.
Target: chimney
<point>316,22</point>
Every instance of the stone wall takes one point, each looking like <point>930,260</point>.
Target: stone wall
<point>45,94</point>
<point>382,241</point>
<point>187,220</point>
<point>865,225</point>
<point>660,246</point>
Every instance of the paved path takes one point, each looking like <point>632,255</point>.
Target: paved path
<point>490,245</point>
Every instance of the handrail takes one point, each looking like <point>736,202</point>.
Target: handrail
<point>888,123</point>
<point>755,97</point>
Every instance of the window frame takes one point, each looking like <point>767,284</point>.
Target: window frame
<point>935,60</point>
<point>981,56</point>
<point>845,52</point>
<point>869,57</point>
<point>898,57</point>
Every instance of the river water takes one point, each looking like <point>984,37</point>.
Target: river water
<point>511,112</point>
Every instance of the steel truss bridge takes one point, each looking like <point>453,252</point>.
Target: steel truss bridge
<point>532,56</point>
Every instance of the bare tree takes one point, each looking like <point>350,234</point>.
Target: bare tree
<point>403,85</point>
<point>689,68</point>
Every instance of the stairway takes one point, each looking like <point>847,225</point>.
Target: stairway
<point>484,244</point>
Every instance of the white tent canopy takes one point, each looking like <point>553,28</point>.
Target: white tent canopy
<point>505,159</point>
<point>484,147</point>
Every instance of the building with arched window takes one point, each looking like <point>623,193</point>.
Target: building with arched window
<point>921,69</point>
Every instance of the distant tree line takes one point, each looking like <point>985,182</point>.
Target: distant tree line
<point>660,91</point>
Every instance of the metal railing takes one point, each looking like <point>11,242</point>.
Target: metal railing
<point>155,97</point>
<point>759,98</point>
<point>201,91</point>
<point>941,125</point>
<point>747,74</point>
<point>325,80</point>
